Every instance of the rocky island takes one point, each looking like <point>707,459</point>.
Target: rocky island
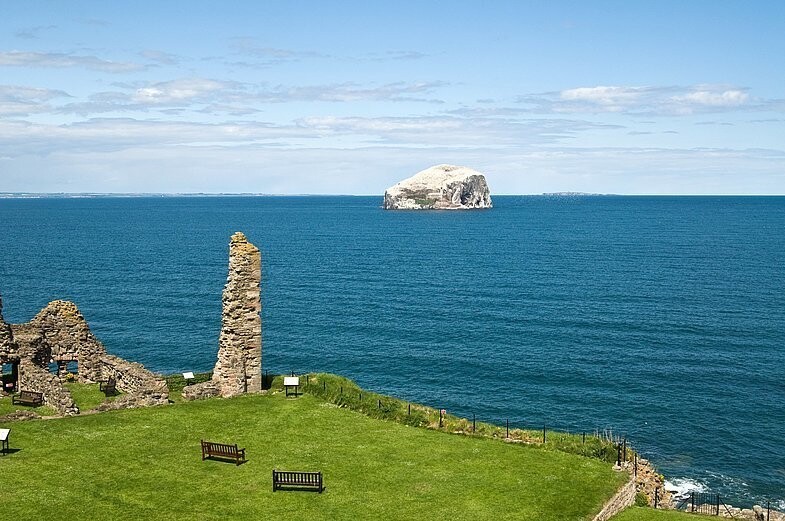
<point>440,187</point>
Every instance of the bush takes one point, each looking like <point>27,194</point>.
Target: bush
<point>641,500</point>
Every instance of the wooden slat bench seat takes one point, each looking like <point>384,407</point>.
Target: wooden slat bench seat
<point>222,450</point>
<point>307,480</point>
<point>109,386</point>
<point>30,398</point>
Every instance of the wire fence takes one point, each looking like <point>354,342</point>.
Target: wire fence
<point>601,443</point>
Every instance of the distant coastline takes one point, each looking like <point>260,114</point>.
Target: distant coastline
<point>97,195</point>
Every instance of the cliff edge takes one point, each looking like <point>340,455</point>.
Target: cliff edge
<point>440,187</point>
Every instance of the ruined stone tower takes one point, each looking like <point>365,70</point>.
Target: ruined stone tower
<point>239,366</point>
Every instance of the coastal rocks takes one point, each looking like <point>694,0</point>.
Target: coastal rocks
<point>440,187</point>
<point>651,484</point>
<point>238,369</point>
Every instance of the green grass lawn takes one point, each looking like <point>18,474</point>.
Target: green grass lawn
<point>649,514</point>
<point>86,397</point>
<point>146,463</point>
<point>7,407</point>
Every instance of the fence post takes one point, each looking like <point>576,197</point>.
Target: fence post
<point>380,405</point>
<point>635,467</point>
<point>618,455</point>
<point>440,418</point>
<point>656,497</point>
<point>692,501</point>
<point>543,434</point>
<point>410,409</point>
<point>625,449</point>
<point>474,422</point>
<point>584,436</point>
<point>508,427</point>
<point>768,510</point>
<point>718,505</point>
<point>361,396</point>
<point>324,385</point>
<point>308,381</point>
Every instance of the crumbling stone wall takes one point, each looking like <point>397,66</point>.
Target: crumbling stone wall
<point>132,378</point>
<point>35,378</point>
<point>239,366</point>
<point>59,333</point>
<point>66,331</point>
<point>7,349</point>
<point>30,344</point>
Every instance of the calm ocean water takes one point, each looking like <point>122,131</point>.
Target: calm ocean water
<point>662,318</point>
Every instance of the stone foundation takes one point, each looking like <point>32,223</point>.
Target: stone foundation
<point>200,391</point>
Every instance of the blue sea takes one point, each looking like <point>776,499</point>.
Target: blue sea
<point>661,318</point>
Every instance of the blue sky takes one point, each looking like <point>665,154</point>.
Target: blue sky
<point>350,97</point>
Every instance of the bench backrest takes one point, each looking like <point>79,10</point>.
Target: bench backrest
<point>31,395</point>
<point>220,448</point>
<point>295,477</point>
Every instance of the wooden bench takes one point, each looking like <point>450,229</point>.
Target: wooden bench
<point>222,450</point>
<point>109,386</point>
<point>307,480</point>
<point>30,398</point>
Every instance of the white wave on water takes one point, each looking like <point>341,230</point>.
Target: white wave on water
<point>682,487</point>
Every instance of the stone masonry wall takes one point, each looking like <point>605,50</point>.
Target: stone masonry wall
<point>624,497</point>
<point>35,378</point>
<point>134,379</point>
<point>6,340</point>
<point>67,333</point>
<point>239,366</point>
<point>60,333</point>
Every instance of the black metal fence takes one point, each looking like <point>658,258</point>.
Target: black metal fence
<point>704,503</point>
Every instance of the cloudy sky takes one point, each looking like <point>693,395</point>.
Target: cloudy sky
<point>330,97</point>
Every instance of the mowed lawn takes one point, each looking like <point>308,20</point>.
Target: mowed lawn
<point>146,464</point>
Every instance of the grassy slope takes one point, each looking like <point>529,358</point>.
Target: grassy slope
<point>146,463</point>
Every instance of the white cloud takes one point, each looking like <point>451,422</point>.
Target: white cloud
<point>714,98</point>
<point>54,59</point>
<point>178,91</point>
<point>646,100</point>
<point>16,100</point>
<point>611,97</point>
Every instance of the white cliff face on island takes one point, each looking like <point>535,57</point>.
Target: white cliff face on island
<point>441,187</point>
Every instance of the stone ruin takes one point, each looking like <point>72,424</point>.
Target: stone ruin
<point>238,369</point>
<point>59,334</point>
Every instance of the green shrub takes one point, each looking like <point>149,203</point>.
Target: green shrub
<point>641,500</point>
